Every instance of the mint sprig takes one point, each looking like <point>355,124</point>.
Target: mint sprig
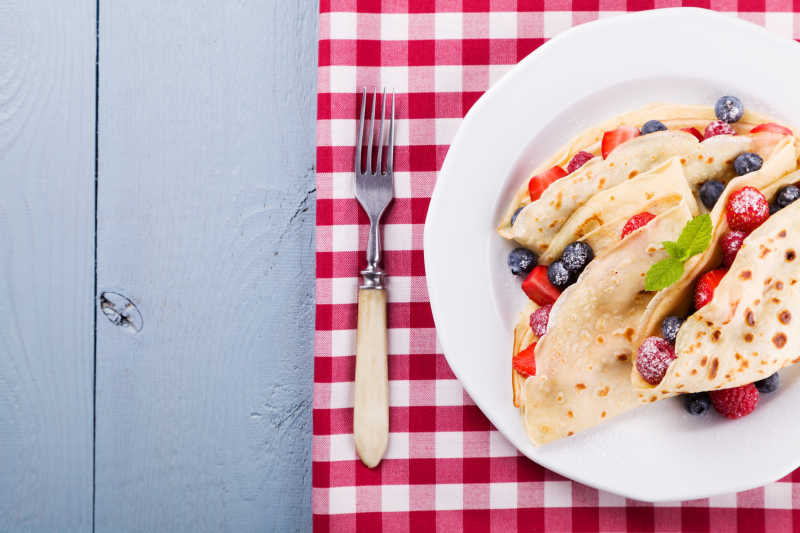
<point>694,239</point>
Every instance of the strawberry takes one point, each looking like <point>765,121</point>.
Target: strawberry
<point>613,138</point>
<point>704,290</point>
<point>538,287</point>
<point>578,160</point>
<point>636,222</point>
<point>736,402</point>
<point>695,132</point>
<point>540,182</point>
<point>772,128</point>
<point>525,361</point>
<point>746,209</point>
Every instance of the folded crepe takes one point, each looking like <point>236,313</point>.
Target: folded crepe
<point>540,221</point>
<point>748,330</point>
<point>673,116</point>
<point>675,299</point>
<point>583,362</point>
<point>656,186</point>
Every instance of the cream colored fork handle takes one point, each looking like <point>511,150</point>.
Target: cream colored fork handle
<point>371,405</point>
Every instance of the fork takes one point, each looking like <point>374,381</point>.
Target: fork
<point>374,191</point>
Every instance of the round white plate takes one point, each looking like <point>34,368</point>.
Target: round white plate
<point>583,76</point>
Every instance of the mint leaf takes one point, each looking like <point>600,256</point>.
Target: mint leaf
<point>663,274</point>
<point>675,251</point>
<point>696,236</point>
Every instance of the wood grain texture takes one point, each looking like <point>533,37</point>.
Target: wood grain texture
<point>47,82</point>
<point>206,195</point>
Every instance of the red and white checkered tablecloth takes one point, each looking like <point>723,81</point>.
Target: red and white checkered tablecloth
<point>446,467</point>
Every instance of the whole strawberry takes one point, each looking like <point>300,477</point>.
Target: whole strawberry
<point>704,290</point>
<point>746,209</point>
<point>736,402</point>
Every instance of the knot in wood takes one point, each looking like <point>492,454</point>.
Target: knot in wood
<point>120,311</point>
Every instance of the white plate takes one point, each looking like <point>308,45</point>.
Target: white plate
<point>580,78</point>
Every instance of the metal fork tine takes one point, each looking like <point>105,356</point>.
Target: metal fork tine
<point>390,151</point>
<point>380,134</point>
<point>360,131</point>
<point>371,132</point>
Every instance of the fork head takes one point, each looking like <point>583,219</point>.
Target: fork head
<point>374,185</point>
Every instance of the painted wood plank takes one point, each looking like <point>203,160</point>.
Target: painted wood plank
<point>47,98</point>
<point>206,224</point>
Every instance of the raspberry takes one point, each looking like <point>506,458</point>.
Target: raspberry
<point>717,127</point>
<point>730,243</point>
<point>655,355</point>
<point>747,208</point>
<point>578,160</point>
<point>636,222</point>
<point>704,291</point>
<point>539,318</point>
<point>736,402</point>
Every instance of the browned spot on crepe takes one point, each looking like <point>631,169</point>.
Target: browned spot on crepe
<point>653,398</point>
<point>749,317</point>
<point>764,252</point>
<point>745,274</point>
<point>603,414</point>
<point>712,369</point>
<point>694,371</point>
<point>779,285</point>
<point>748,337</point>
<point>570,414</point>
<point>570,433</point>
<point>785,316</point>
<point>716,335</point>
<point>622,357</point>
<point>779,340</point>
<point>629,334</point>
<point>683,160</point>
<point>790,255</point>
<point>703,361</point>
<point>580,386</point>
<point>603,392</point>
<point>710,160</point>
<point>782,234</point>
<point>679,386</point>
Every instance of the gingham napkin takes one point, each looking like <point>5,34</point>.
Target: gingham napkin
<point>446,467</point>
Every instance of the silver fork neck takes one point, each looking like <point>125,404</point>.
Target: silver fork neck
<point>373,276</point>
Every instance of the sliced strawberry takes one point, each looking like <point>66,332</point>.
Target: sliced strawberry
<point>525,361</point>
<point>772,128</point>
<point>613,138</point>
<point>704,291</point>
<point>695,132</point>
<point>636,222</point>
<point>540,182</point>
<point>538,287</point>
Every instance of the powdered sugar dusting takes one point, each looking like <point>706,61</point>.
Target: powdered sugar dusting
<point>717,127</point>
<point>539,319</point>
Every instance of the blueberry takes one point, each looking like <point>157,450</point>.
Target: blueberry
<point>521,261</point>
<point>710,192</point>
<point>787,195</point>
<point>652,126</point>
<point>773,208</point>
<point>746,163</point>
<point>559,276</point>
<point>516,213</point>
<point>729,109</point>
<point>697,403</point>
<point>670,327</point>
<point>576,256</point>
<point>769,384</point>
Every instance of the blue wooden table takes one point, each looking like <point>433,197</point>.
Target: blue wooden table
<point>156,264</point>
